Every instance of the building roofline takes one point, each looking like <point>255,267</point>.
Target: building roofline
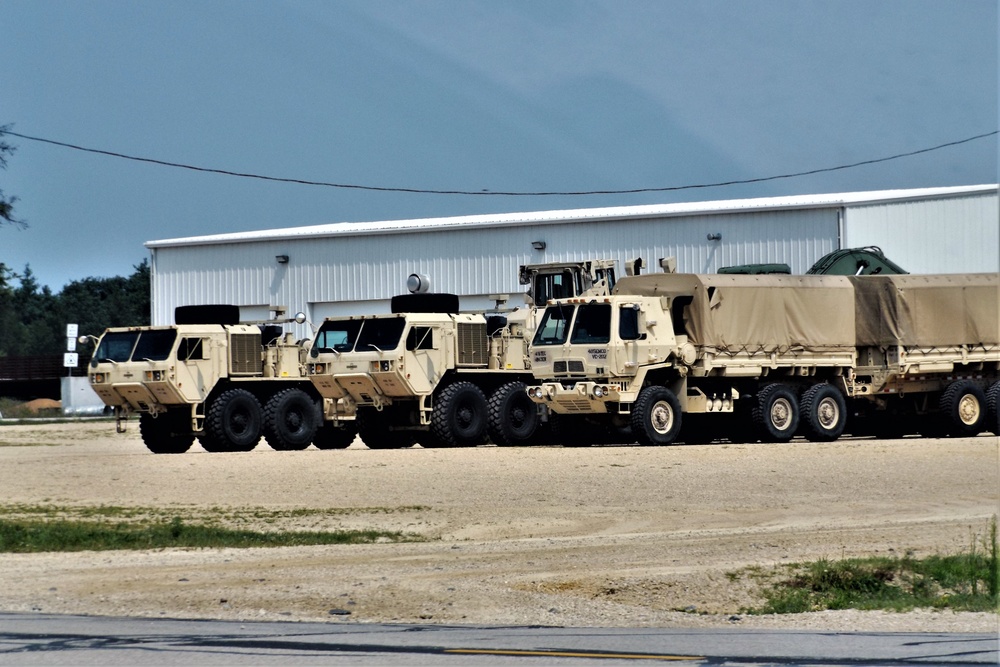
<point>728,206</point>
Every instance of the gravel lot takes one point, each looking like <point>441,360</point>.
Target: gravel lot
<point>602,536</point>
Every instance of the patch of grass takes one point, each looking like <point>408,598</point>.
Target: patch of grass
<point>963,582</point>
<point>14,409</point>
<point>35,528</point>
<point>37,536</point>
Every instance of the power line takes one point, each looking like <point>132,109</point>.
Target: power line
<point>570,193</point>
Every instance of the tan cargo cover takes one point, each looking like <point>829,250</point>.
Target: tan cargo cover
<point>946,310</point>
<point>757,313</point>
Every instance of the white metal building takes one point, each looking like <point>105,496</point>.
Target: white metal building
<point>355,268</point>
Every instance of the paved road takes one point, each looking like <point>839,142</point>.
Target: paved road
<point>40,639</point>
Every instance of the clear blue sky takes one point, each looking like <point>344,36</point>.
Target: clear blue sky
<point>521,95</point>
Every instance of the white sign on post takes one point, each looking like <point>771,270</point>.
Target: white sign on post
<point>71,359</point>
<point>72,330</point>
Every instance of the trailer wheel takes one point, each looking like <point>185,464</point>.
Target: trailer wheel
<point>233,421</point>
<point>373,427</point>
<point>823,412</point>
<point>169,433</point>
<point>513,417</point>
<point>993,408</point>
<point>776,414</point>
<point>459,416</point>
<point>290,420</point>
<point>656,416</point>
<point>963,408</point>
<point>329,436</point>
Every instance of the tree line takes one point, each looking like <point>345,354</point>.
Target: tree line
<point>33,320</point>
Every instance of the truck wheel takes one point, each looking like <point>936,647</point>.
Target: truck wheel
<point>656,416</point>
<point>823,413</point>
<point>233,421</point>
<point>963,409</point>
<point>290,420</point>
<point>373,427</point>
<point>776,414</point>
<point>329,436</point>
<point>513,416</point>
<point>169,433</point>
<point>993,408</point>
<point>459,415</point>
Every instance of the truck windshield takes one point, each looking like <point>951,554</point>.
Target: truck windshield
<point>121,346</point>
<point>560,285</point>
<point>554,325</point>
<point>337,336</point>
<point>381,334</point>
<point>593,324</point>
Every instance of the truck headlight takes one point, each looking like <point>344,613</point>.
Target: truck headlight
<point>535,392</point>
<point>154,376</point>
<point>97,378</point>
<point>600,392</point>
<point>317,369</point>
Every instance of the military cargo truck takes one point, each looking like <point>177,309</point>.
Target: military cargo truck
<point>769,356</point>
<point>662,345</point>
<point>426,373</point>
<point>213,378</point>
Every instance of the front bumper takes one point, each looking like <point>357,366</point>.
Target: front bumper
<point>581,398</point>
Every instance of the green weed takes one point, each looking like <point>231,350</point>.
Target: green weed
<point>963,582</point>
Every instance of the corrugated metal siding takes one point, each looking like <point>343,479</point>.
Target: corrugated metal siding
<point>324,273</point>
<point>947,235</point>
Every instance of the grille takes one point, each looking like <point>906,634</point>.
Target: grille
<point>581,405</point>
<point>473,348</point>
<point>244,354</point>
<point>567,367</point>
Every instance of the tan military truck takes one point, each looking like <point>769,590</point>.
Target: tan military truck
<point>928,354</point>
<point>706,349</point>
<point>426,373</point>
<point>210,377</point>
<point>769,356</point>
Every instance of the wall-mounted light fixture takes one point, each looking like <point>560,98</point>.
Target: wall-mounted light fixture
<point>715,236</point>
<point>538,245</point>
<point>282,259</point>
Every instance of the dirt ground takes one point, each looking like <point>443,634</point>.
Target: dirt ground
<point>603,536</point>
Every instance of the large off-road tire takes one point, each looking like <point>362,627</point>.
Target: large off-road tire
<point>329,436</point>
<point>776,413</point>
<point>459,416</point>
<point>373,427</point>
<point>963,409</point>
<point>993,408</point>
<point>513,417</point>
<point>233,422</point>
<point>291,418</point>
<point>168,433</point>
<point>823,413</point>
<point>656,416</point>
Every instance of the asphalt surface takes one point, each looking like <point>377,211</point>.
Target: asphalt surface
<point>44,639</point>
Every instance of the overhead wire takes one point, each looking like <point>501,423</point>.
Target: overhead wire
<point>493,193</point>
